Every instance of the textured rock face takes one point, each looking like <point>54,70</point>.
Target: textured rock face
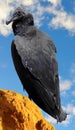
<point>17,112</point>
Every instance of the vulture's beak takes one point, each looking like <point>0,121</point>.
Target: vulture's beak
<point>11,20</point>
<point>8,21</point>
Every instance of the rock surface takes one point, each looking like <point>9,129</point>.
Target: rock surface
<point>17,112</point>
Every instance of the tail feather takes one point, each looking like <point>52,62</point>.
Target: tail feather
<point>62,116</point>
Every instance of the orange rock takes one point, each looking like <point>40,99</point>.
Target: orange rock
<point>17,112</point>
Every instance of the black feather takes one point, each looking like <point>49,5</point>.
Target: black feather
<point>34,57</point>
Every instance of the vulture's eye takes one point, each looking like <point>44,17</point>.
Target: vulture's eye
<point>19,13</point>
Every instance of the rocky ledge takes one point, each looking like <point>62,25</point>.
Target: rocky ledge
<point>17,112</point>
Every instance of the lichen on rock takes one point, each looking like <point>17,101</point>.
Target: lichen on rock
<point>17,112</point>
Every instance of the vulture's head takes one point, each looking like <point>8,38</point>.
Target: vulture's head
<point>20,17</point>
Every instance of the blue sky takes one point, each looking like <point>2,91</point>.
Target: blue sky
<point>57,19</point>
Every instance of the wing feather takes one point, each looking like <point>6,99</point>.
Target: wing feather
<point>38,55</point>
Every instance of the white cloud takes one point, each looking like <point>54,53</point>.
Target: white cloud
<point>65,84</point>
<point>26,2</point>
<point>39,15</point>
<point>60,19</point>
<point>4,12</point>
<point>70,109</point>
<point>55,2</point>
<point>63,20</point>
<point>29,2</point>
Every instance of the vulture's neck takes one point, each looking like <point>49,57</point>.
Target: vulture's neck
<point>24,30</point>
<point>19,28</point>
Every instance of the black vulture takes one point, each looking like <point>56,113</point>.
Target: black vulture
<point>34,57</point>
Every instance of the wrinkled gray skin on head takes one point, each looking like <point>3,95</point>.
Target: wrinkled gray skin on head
<point>18,14</point>
<point>20,17</point>
<point>34,57</point>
